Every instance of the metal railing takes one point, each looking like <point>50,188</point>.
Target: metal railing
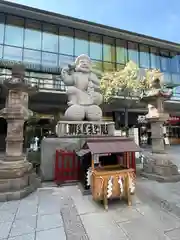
<point>51,83</point>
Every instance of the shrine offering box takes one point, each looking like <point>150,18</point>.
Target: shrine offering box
<point>112,174</point>
<point>112,182</point>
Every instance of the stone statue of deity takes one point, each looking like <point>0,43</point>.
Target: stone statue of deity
<point>83,90</point>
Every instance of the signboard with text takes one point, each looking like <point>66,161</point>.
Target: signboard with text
<point>173,119</point>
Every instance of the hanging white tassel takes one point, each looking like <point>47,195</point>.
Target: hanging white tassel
<point>109,187</point>
<point>88,177</point>
<point>120,181</point>
<point>131,184</point>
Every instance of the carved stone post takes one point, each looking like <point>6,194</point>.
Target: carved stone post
<point>158,166</point>
<point>17,178</point>
<point>157,136</point>
<point>157,117</point>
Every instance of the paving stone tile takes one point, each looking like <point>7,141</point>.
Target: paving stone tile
<point>48,199</point>
<point>48,208</point>
<point>32,197</point>
<point>72,222</point>
<point>24,237</point>
<point>135,200</point>
<point>23,226</point>
<point>1,203</point>
<point>25,210</point>
<point>44,193</point>
<point>74,190</point>
<point>101,226</point>
<point>141,229</point>
<point>11,206</point>
<point>5,229</point>
<point>49,221</point>
<point>161,220</point>
<point>6,216</point>
<point>33,201</point>
<point>73,226</point>
<point>125,214</point>
<point>85,204</point>
<point>54,234</point>
<point>29,201</point>
<point>174,234</point>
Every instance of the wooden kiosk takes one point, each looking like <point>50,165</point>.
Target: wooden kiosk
<point>112,174</point>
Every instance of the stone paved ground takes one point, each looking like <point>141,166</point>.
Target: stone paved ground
<point>63,213</point>
<point>166,195</point>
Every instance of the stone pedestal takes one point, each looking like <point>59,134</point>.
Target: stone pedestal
<point>159,167</point>
<point>17,178</point>
<point>85,128</point>
<point>157,136</point>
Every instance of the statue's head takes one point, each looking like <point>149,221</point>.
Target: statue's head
<point>83,63</point>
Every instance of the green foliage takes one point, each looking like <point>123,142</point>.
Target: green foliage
<point>127,81</point>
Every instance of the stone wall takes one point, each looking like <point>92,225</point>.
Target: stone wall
<point>48,151</point>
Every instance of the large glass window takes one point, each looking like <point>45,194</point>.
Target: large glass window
<point>81,43</point>
<point>66,41</point>
<point>108,67</point>
<point>144,56</point>
<point>167,77</point>
<point>176,79</point>
<point>154,57</point>
<point>95,46</point>
<point>109,53</point>
<point>97,66</point>
<point>64,60</point>
<point>165,60</point>
<point>12,53</point>
<point>133,52</point>
<point>33,35</point>
<point>50,38</point>
<point>174,62</point>
<point>1,27</point>
<point>32,56</point>
<point>14,31</point>
<point>119,67</point>
<point>1,48</point>
<point>49,59</point>
<point>121,51</point>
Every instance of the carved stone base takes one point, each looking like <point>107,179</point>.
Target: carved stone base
<point>86,128</point>
<point>158,178</point>
<point>158,167</point>
<point>17,180</point>
<point>158,145</point>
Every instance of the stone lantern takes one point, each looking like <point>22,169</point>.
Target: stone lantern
<point>157,117</point>
<point>158,166</point>
<point>17,178</point>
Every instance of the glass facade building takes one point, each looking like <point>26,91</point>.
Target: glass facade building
<point>45,48</point>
